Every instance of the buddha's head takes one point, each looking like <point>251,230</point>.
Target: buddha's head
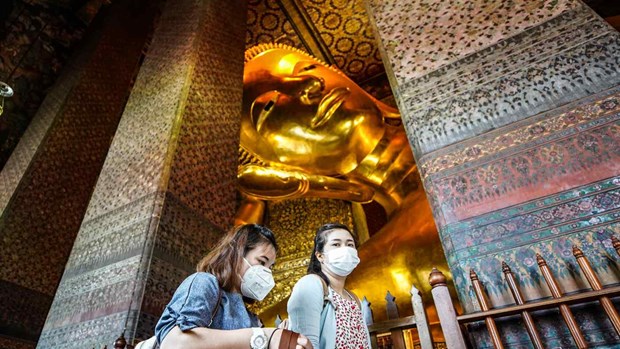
<point>299,112</point>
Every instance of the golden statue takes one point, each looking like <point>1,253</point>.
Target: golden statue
<point>307,130</point>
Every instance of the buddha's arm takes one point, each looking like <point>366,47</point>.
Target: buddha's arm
<point>271,183</point>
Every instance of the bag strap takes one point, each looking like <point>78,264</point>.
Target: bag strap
<point>217,305</point>
<point>354,296</point>
<point>326,292</point>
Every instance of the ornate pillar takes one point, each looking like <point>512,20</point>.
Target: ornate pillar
<point>51,174</point>
<point>166,190</point>
<point>512,109</point>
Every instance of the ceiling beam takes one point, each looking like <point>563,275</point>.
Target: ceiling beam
<point>303,26</point>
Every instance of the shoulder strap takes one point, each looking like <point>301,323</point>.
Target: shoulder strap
<point>324,284</point>
<point>325,290</point>
<point>217,305</point>
<point>354,296</point>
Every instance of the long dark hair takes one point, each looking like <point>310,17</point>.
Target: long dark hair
<point>319,245</point>
<point>225,259</point>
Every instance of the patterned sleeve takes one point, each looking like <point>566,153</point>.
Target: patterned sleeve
<point>191,306</point>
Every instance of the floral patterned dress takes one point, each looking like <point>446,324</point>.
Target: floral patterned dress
<point>350,332</point>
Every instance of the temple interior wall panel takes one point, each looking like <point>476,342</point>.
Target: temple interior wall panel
<point>37,43</point>
<point>515,131</point>
<point>40,222</point>
<point>166,192</point>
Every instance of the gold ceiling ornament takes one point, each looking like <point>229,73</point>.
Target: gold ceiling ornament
<point>5,91</point>
<point>307,130</point>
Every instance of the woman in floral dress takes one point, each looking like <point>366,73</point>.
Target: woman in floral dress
<point>320,307</point>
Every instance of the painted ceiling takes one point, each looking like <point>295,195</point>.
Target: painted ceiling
<point>336,31</point>
<point>339,33</point>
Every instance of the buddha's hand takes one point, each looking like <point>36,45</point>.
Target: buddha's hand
<point>270,183</point>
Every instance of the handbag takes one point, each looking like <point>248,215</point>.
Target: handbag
<point>288,340</point>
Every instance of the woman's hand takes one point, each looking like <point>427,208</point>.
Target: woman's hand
<point>302,341</point>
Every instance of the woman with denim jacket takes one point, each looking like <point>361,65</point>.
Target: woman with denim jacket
<point>320,307</point>
<point>208,309</point>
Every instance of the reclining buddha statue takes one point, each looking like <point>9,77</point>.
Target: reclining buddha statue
<point>308,131</point>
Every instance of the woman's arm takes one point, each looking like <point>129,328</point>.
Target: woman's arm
<point>206,338</point>
<point>305,307</point>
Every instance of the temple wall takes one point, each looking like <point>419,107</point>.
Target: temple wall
<point>36,43</point>
<point>166,191</point>
<point>512,109</point>
<point>48,181</point>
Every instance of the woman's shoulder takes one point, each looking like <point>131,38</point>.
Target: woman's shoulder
<point>311,279</point>
<point>308,293</point>
<point>311,283</point>
<point>200,281</point>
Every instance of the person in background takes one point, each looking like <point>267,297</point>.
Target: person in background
<point>320,307</point>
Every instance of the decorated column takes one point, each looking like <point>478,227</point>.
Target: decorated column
<point>166,192</point>
<point>512,109</point>
<point>46,185</point>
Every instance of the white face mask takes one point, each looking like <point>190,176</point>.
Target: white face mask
<point>256,282</point>
<point>341,261</point>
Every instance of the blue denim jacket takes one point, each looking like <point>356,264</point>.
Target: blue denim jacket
<point>193,303</point>
<point>313,316</point>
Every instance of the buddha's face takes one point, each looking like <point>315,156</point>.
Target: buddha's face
<point>298,112</point>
